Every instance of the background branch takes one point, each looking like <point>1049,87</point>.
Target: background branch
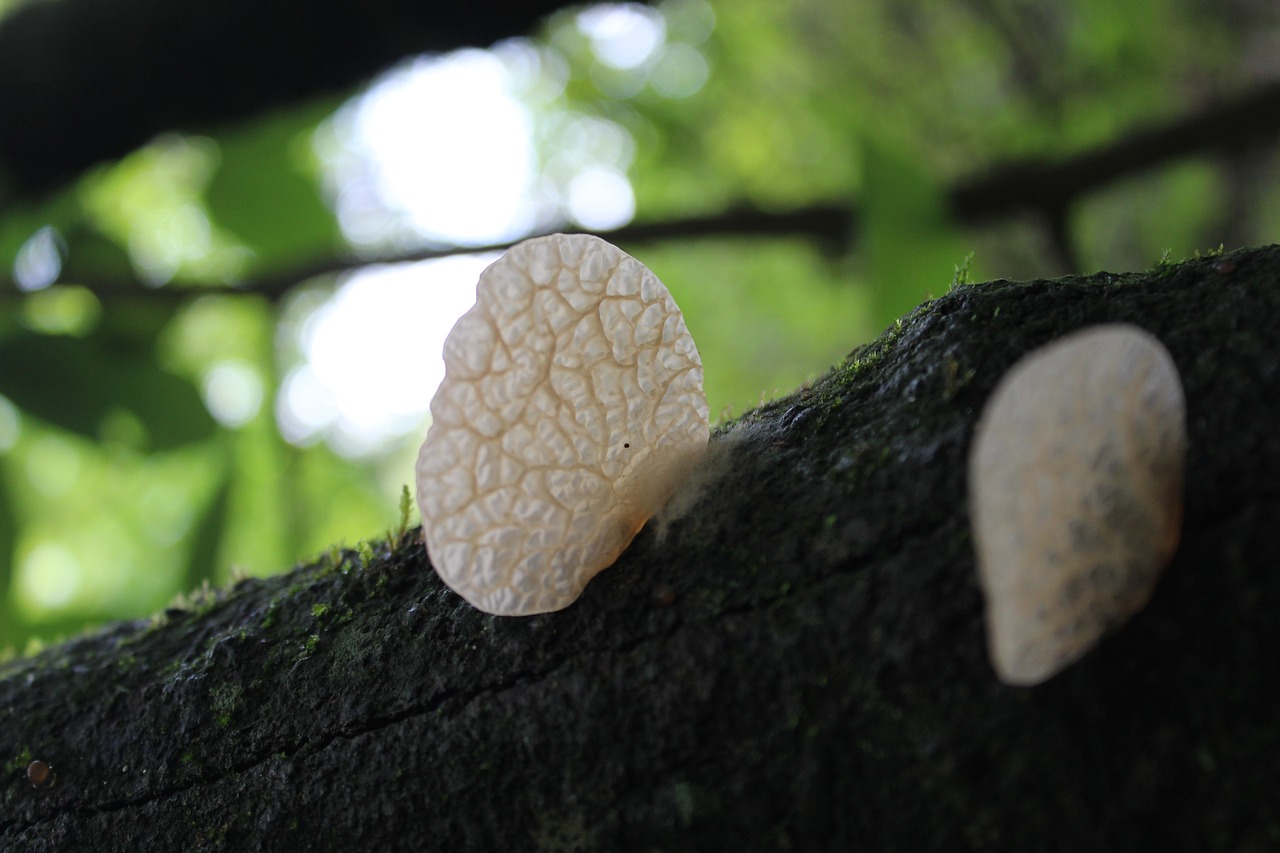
<point>1034,186</point>
<point>83,81</point>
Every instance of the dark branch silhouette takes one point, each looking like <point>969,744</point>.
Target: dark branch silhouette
<point>84,81</point>
<point>1227,127</point>
<point>1035,186</point>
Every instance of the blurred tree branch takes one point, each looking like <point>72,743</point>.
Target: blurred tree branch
<point>1031,186</point>
<point>1228,127</point>
<point>83,81</point>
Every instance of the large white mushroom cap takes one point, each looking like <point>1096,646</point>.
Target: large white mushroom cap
<point>1075,494</point>
<point>571,407</point>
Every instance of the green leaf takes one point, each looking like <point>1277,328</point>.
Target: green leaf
<point>91,256</point>
<point>82,384</point>
<point>267,194</point>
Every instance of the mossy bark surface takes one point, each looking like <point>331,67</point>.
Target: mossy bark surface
<point>794,660</point>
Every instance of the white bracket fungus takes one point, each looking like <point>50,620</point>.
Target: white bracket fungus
<point>571,407</point>
<point>1075,495</point>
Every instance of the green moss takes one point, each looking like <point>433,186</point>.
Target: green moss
<point>19,761</point>
<point>332,562</point>
<point>224,699</point>
<point>337,556</point>
<point>830,392</point>
<point>349,651</point>
<point>406,513</point>
<point>1166,265</point>
<point>962,272</point>
<point>318,610</point>
<point>270,618</point>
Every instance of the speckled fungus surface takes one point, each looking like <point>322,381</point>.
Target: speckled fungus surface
<point>1075,495</point>
<point>571,407</point>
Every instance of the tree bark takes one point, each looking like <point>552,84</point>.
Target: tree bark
<point>796,660</point>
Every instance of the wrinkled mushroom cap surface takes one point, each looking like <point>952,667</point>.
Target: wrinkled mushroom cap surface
<point>571,406</point>
<point>1076,492</point>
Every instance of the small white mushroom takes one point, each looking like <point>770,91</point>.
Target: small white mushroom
<point>571,407</point>
<point>1075,495</point>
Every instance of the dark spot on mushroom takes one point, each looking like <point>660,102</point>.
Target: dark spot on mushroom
<point>626,444</point>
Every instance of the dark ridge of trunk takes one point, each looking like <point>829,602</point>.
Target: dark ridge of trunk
<point>797,662</point>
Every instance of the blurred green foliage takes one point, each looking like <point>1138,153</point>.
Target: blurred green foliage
<point>288,221</point>
<point>126,477</point>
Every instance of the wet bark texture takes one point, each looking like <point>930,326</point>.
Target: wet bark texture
<point>797,662</point>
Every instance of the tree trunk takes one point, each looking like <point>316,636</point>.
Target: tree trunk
<point>796,661</point>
